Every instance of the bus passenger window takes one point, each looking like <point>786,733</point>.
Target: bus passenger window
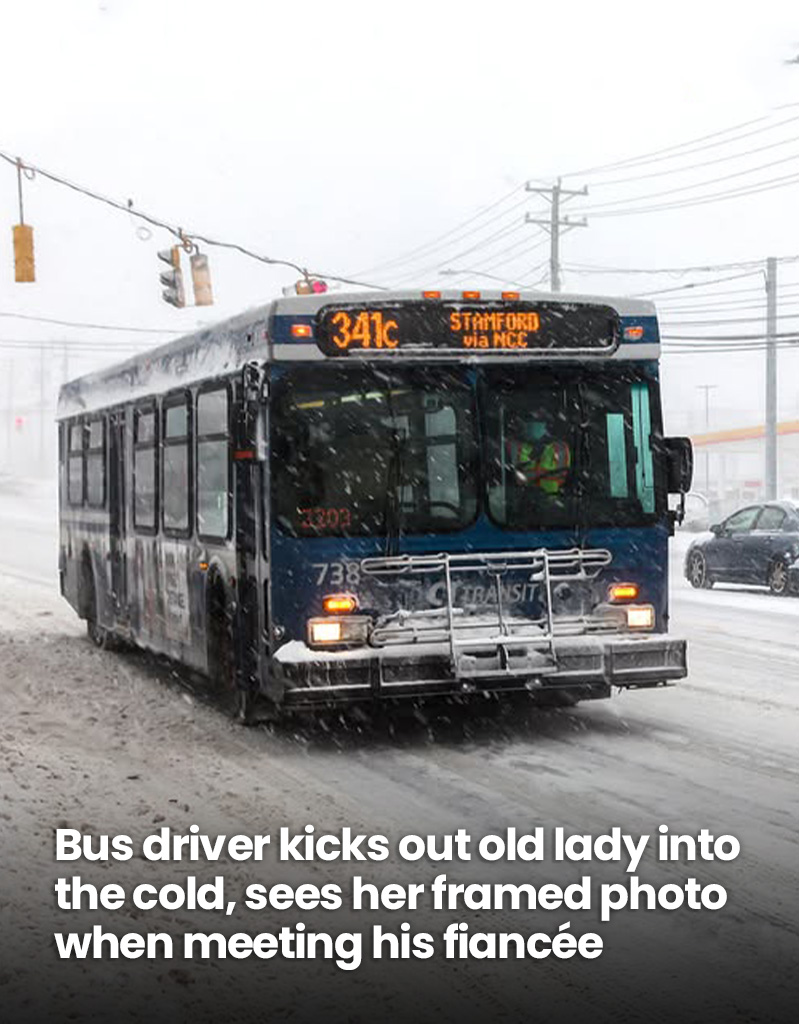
<point>144,466</point>
<point>212,463</point>
<point>175,491</point>
<point>75,464</point>
<point>95,464</point>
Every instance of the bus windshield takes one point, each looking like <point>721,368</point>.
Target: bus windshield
<point>366,451</point>
<point>569,448</point>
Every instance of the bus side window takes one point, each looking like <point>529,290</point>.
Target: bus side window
<point>75,464</point>
<point>95,463</point>
<point>176,465</point>
<point>144,469</point>
<point>213,464</point>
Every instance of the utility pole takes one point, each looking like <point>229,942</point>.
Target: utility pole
<point>707,388</point>
<point>555,224</point>
<point>771,378</point>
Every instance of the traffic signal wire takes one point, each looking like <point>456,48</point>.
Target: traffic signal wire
<point>178,232</point>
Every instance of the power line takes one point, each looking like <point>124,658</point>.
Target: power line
<point>678,150</point>
<point>695,284</point>
<point>94,327</point>
<point>589,268</point>
<point>695,167</point>
<point>517,255</point>
<point>503,232</point>
<point>433,243</point>
<point>717,197</point>
<point>726,349</point>
<point>743,293</point>
<point>177,232</point>
<point>22,344</point>
<point>729,337</point>
<point>734,320</point>
<point>658,155</point>
<point>698,184</point>
<point>730,307</point>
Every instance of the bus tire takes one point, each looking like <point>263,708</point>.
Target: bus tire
<point>99,636</point>
<point>221,652</point>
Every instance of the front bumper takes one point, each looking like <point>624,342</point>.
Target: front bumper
<point>590,665</point>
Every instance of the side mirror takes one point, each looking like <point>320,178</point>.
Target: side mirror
<point>679,464</point>
<point>679,458</point>
<point>717,529</point>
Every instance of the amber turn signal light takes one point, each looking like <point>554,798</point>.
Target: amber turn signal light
<point>622,591</point>
<point>339,604</point>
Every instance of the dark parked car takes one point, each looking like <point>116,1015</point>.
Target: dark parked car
<point>758,544</point>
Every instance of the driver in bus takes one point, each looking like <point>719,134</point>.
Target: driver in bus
<point>539,458</point>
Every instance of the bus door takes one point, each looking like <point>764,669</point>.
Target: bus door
<point>250,533</point>
<point>116,513</point>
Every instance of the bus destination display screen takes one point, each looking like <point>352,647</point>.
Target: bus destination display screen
<point>456,326</point>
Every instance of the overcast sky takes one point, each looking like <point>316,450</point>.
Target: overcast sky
<point>343,135</point>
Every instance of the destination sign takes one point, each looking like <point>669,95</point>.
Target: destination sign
<point>464,327</point>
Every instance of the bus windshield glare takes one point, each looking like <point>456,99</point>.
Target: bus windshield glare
<point>364,451</point>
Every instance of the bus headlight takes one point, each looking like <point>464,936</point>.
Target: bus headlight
<point>640,616</point>
<point>331,632</point>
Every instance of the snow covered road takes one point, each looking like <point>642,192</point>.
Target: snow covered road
<point>113,743</point>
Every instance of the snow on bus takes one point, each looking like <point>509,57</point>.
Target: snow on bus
<point>369,497</point>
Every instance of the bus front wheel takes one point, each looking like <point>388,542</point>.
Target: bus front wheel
<point>234,700</point>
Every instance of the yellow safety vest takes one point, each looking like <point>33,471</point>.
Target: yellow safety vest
<point>549,470</point>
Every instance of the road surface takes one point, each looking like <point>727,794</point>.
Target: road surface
<point>114,744</point>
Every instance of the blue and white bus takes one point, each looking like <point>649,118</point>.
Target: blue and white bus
<point>344,497</point>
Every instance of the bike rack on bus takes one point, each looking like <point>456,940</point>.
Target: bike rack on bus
<point>498,640</point>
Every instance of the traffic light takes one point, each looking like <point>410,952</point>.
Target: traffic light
<point>310,286</point>
<point>24,270</point>
<point>201,280</point>
<point>172,280</point>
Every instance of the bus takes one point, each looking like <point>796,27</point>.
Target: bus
<point>345,497</point>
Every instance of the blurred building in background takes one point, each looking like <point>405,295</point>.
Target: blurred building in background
<point>729,466</point>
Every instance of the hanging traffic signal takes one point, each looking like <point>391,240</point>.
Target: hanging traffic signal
<point>201,280</point>
<point>310,286</point>
<point>172,280</point>
<point>24,269</point>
